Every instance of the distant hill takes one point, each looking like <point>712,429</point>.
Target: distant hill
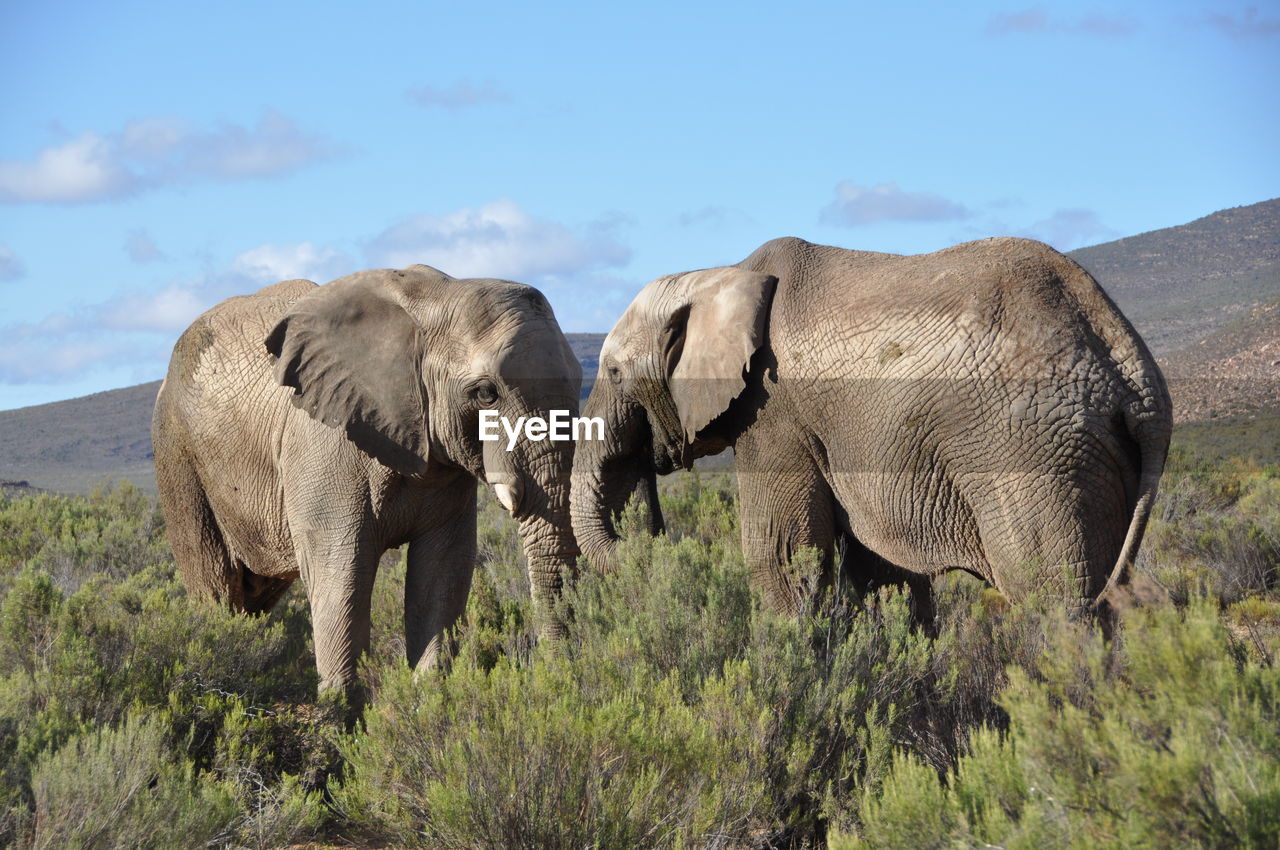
<point>1180,284</point>
<point>70,446</point>
<point>1235,371</point>
<point>1205,296</point>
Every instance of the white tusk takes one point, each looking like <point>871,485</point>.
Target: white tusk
<point>506,496</point>
<point>508,489</point>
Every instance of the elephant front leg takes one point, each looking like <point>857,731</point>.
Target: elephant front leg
<point>338,574</point>
<point>784,508</point>
<point>437,582</point>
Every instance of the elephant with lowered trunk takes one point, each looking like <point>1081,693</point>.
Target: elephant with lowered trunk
<point>304,430</point>
<point>983,408</point>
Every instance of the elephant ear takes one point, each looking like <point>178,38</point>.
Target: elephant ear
<point>708,342</point>
<point>352,352</point>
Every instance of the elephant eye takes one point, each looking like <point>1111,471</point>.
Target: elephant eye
<point>486,393</point>
<point>615,374</point>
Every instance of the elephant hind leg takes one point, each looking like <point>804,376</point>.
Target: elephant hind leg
<point>199,550</point>
<point>1051,549</point>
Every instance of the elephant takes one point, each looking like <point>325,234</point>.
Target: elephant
<point>983,408</point>
<point>303,430</point>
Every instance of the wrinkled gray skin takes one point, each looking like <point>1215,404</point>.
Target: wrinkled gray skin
<point>984,408</point>
<point>304,430</point>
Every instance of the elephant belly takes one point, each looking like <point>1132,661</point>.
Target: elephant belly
<point>255,531</point>
<point>918,523</point>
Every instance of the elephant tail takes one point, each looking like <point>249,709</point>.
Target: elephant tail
<point>1152,438</point>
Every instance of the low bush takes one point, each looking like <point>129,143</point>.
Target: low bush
<point>121,788</point>
<point>1171,741</point>
<point>675,713</point>
<point>678,714</point>
<point>1216,529</point>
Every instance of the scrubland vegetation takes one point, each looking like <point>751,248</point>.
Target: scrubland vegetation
<point>676,714</point>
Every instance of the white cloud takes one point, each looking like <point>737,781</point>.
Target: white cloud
<point>139,327</point>
<point>858,205</point>
<point>156,152</point>
<point>170,309</point>
<point>83,169</point>
<point>276,262</point>
<point>461,95</point>
<point>498,239</point>
<point>45,358</point>
<point>1069,229</point>
<point>11,268</point>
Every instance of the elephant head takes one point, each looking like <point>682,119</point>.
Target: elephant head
<point>669,371</point>
<point>404,361</point>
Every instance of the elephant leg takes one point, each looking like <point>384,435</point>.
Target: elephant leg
<point>338,574</point>
<point>205,564</point>
<point>784,506</point>
<point>437,581</point>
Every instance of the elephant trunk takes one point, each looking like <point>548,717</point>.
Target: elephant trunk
<point>546,531</point>
<point>606,475</point>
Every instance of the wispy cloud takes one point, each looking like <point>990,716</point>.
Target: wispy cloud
<point>1068,229</point>
<point>1036,19</point>
<point>499,239</point>
<point>1249,24</point>
<point>276,262</point>
<point>171,309</point>
<point>11,268</point>
<point>60,348</point>
<point>139,327</point>
<point>857,205</point>
<point>156,152</point>
<point>461,95</point>
<point>141,248</point>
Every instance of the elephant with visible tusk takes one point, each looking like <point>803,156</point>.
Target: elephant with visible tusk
<point>984,408</point>
<point>304,430</point>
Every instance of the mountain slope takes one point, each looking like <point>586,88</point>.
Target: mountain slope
<point>72,445</point>
<point>1180,284</point>
<point>1235,371</point>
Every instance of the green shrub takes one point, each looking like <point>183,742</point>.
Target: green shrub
<point>1172,741</point>
<point>677,714</point>
<point>120,788</point>
<point>115,531</point>
<point>1216,529</point>
<point>74,665</point>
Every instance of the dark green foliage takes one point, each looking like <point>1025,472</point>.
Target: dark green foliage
<point>676,713</point>
<point>113,532</point>
<point>117,638</point>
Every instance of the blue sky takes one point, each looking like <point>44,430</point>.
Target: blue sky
<point>158,157</point>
